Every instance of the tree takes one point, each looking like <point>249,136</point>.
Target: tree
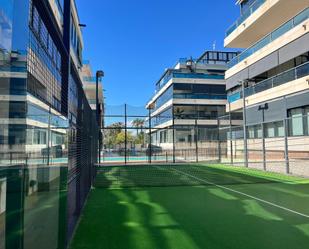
<point>140,138</point>
<point>121,137</point>
<point>138,123</point>
<point>111,132</point>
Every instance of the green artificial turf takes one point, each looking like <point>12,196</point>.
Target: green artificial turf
<point>199,217</point>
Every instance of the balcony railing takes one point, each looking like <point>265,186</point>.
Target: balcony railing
<point>176,75</point>
<point>280,79</point>
<point>245,15</point>
<point>199,96</point>
<point>304,15</point>
<point>234,97</point>
<point>13,69</point>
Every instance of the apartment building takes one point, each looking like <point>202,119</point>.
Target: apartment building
<point>89,84</point>
<point>46,124</point>
<point>269,79</point>
<point>189,95</point>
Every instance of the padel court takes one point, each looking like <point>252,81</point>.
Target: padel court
<point>194,206</point>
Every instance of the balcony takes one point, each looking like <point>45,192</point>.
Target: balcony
<point>179,75</point>
<point>279,32</point>
<point>262,18</point>
<point>199,96</point>
<point>278,80</point>
<point>257,4</point>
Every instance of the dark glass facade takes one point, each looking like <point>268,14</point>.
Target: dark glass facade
<point>190,91</point>
<point>44,175</point>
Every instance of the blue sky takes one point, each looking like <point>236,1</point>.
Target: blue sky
<point>133,41</point>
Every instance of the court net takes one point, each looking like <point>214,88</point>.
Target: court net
<point>177,175</point>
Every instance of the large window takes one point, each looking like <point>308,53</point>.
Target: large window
<point>199,91</point>
<point>255,131</point>
<point>44,63</point>
<point>198,111</point>
<point>6,17</point>
<point>165,97</point>
<point>274,129</point>
<point>298,122</point>
<point>161,118</point>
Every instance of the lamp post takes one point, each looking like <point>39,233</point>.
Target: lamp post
<point>99,74</point>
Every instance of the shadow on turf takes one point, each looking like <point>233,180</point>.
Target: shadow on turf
<point>172,175</point>
<point>196,217</point>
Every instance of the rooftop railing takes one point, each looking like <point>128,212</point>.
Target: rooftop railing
<point>245,15</point>
<point>304,15</point>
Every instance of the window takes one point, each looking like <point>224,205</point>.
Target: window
<point>163,137</point>
<point>3,137</point>
<point>307,118</point>
<point>296,122</point>
<point>255,131</point>
<point>275,129</point>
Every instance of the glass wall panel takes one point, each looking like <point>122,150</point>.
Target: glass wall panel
<point>2,209</point>
<point>307,119</point>
<point>274,129</point>
<point>254,131</point>
<point>296,122</point>
<point>6,16</point>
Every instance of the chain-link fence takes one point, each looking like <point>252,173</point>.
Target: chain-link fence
<point>134,135</point>
<point>279,146</point>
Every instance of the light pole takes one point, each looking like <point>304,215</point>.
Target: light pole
<point>99,75</point>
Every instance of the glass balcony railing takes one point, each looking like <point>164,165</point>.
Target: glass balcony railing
<point>304,15</point>
<point>13,69</point>
<point>245,15</point>
<point>176,75</point>
<point>280,79</point>
<point>198,76</point>
<point>234,97</point>
<point>199,96</point>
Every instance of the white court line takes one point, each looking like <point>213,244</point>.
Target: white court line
<point>241,193</point>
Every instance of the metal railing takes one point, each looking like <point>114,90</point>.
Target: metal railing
<point>245,15</point>
<point>280,79</point>
<point>270,37</point>
<point>178,75</point>
<point>277,80</point>
<point>199,96</point>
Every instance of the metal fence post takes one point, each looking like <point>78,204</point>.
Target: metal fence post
<point>196,140</point>
<point>231,135</point>
<point>174,148</point>
<point>125,133</point>
<point>48,136</point>
<point>219,142</point>
<point>150,142</point>
<point>246,156</point>
<point>263,145</point>
<point>286,145</point>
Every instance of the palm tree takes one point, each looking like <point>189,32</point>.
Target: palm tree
<point>139,124</point>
